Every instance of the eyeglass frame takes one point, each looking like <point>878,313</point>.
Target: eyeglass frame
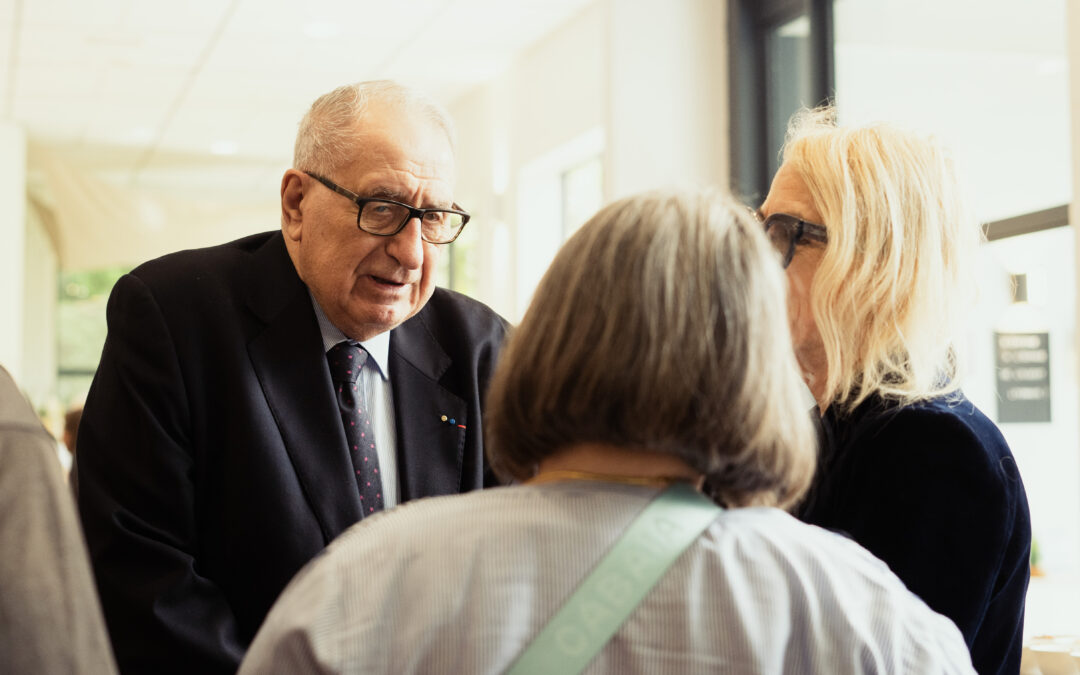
<point>803,229</point>
<point>413,212</point>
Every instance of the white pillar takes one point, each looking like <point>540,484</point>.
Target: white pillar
<point>13,249</point>
<point>667,108</point>
<point>40,313</point>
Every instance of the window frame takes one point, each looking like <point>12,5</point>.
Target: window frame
<point>750,22</point>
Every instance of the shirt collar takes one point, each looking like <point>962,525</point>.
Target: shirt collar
<point>378,347</point>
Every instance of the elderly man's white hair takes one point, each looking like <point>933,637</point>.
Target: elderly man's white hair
<point>326,139</point>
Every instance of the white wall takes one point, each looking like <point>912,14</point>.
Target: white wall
<point>28,278</point>
<point>40,316</point>
<point>650,74</point>
<point>552,94</point>
<point>994,92</point>
<point>1072,14</point>
<point>667,113</point>
<point>13,250</point>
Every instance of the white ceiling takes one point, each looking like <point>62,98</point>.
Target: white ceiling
<point>203,96</point>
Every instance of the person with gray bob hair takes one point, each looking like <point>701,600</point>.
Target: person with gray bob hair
<point>679,349</point>
<point>653,357</point>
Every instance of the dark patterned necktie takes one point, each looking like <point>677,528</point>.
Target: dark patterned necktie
<point>346,360</point>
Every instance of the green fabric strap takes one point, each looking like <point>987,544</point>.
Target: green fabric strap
<point>622,579</point>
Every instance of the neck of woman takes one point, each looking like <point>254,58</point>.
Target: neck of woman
<point>617,464</point>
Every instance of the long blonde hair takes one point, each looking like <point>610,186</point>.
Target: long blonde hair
<point>660,325</point>
<point>896,278</point>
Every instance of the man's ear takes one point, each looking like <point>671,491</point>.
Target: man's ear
<point>292,194</point>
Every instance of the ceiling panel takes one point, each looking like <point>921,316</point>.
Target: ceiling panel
<point>201,99</point>
<point>72,88</point>
<point>228,86</point>
<point>270,54</point>
<point>220,181</point>
<point>368,20</point>
<point>89,15</point>
<point>126,121</point>
<point>199,130</point>
<point>132,83</point>
<point>71,49</point>
<point>51,119</point>
<point>186,16</point>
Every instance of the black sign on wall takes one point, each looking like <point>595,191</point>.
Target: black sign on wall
<point>1023,376</point>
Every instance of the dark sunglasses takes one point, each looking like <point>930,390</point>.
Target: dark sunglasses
<point>786,232</point>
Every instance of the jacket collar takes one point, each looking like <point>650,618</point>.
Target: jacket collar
<point>289,361</point>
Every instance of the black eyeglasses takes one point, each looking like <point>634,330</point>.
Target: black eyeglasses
<point>385,217</point>
<point>786,232</point>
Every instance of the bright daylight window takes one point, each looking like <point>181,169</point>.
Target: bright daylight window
<point>81,328</point>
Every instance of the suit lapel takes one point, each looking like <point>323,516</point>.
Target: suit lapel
<point>288,359</point>
<point>430,450</point>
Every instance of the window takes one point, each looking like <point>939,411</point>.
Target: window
<point>781,60</point>
<point>81,328</point>
<point>556,193</point>
<point>582,193</point>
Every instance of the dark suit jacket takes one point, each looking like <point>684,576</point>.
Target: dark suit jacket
<point>933,490</point>
<point>212,464</point>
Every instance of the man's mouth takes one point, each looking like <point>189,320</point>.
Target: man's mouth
<point>388,282</point>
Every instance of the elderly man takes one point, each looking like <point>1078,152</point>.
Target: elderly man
<point>255,399</point>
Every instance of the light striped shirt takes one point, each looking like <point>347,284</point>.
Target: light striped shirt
<point>461,584</point>
<point>379,395</point>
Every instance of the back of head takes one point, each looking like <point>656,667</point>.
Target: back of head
<point>329,131</point>
<point>896,277</point>
<point>660,326</point>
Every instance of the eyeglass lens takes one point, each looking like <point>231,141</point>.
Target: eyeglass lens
<point>379,217</point>
<point>782,236</point>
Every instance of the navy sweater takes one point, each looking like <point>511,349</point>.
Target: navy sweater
<point>933,490</point>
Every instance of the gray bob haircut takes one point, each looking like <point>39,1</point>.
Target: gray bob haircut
<point>328,132</point>
<point>660,326</point>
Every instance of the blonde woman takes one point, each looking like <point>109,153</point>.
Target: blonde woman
<point>872,230</point>
<point>654,352</point>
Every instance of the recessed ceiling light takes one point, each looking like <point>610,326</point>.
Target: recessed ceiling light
<point>224,148</point>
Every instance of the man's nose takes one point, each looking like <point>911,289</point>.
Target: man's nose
<point>407,247</point>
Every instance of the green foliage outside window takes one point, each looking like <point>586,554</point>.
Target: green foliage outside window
<point>81,330</point>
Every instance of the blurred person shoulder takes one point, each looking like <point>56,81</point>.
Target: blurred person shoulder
<point>53,618</point>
